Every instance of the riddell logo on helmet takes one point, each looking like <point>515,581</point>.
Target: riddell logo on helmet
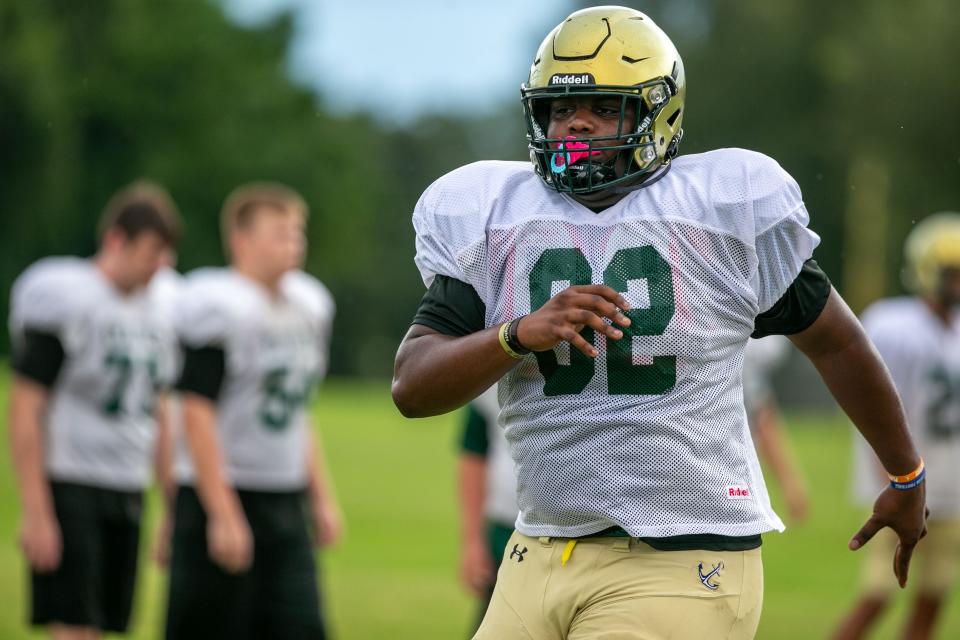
<point>572,78</point>
<point>738,493</point>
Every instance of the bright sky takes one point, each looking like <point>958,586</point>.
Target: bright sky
<point>401,59</point>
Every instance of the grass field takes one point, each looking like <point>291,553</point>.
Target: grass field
<point>394,576</point>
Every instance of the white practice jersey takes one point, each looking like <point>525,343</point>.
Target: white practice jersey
<point>923,356</point>
<point>275,352</point>
<point>761,359</point>
<point>119,353</point>
<point>501,501</point>
<point>651,435</point>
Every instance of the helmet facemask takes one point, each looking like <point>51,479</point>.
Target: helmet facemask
<point>589,164</point>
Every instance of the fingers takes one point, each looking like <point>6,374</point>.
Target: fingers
<point>577,341</point>
<point>583,317</point>
<point>601,306</point>
<point>42,558</point>
<point>596,306</point>
<point>42,549</point>
<point>605,292</point>
<point>867,531</point>
<point>243,554</point>
<point>232,550</point>
<point>901,562</point>
<point>235,558</point>
<point>589,309</point>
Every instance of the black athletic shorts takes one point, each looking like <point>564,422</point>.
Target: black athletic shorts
<point>278,598</point>
<point>93,586</point>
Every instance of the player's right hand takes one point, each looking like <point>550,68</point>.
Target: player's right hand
<point>564,315</point>
<point>906,513</point>
<point>230,542</point>
<point>41,542</point>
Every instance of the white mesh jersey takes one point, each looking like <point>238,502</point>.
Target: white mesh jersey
<point>923,357</point>
<point>276,353</point>
<point>119,352</point>
<point>501,501</point>
<point>652,435</point>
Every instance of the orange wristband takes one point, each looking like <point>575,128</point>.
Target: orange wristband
<point>910,477</point>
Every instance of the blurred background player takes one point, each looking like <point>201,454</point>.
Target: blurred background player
<point>488,497</point>
<point>94,347</point>
<point>255,340</point>
<point>919,340</point>
<point>761,358</point>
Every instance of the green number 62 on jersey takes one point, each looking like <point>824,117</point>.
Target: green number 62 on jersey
<point>623,376</point>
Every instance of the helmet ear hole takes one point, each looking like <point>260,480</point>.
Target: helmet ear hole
<point>673,117</point>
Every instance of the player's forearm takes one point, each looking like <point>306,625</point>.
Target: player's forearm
<point>217,496</point>
<point>436,373</point>
<point>472,477</point>
<point>859,381</point>
<point>27,403</point>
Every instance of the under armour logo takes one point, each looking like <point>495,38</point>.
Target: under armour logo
<point>705,579</point>
<point>517,552</point>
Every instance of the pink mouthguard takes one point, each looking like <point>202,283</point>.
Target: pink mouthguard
<point>578,149</point>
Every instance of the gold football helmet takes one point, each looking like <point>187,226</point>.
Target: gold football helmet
<point>932,246</point>
<point>606,51</point>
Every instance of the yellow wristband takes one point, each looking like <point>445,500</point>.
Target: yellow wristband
<point>502,333</point>
<point>910,477</point>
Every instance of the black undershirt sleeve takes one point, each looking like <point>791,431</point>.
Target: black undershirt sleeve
<point>451,307</point>
<point>797,309</point>
<point>203,371</point>
<point>39,358</point>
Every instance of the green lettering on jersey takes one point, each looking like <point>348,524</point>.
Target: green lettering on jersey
<point>623,376</point>
<point>280,400</point>
<point>122,367</point>
<point>942,411</point>
<point>559,265</point>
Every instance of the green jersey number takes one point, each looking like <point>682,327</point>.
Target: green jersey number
<point>623,376</point>
<point>941,421</point>
<point>122,368</point>
<point>281,398</point>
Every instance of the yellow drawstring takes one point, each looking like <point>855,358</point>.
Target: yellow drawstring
<point>567,551</point>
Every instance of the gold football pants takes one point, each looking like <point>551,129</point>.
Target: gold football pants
<point>622,589</point>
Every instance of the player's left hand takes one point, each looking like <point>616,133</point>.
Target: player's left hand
<point>906,513</point>
<point>327,523</point>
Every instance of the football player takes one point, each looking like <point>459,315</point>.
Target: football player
<point>918,338</point>
<point>488,496</point>
<point>611,287</point>
<point>93,349</point>
<point>253,494</point>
